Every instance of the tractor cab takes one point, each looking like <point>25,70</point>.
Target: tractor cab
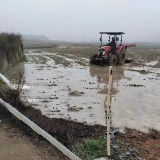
<point>115,35</point>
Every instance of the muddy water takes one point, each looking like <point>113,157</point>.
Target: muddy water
<point>135,97</point>
<point>138,107</point>
<point>79,93</point>
<point>64,92</point>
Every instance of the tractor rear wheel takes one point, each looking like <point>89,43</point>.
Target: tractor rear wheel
<point>122,57</point>
<point>92,59</point>
<point>113,60</point>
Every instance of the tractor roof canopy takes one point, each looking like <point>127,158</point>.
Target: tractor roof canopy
<point>112,33</point>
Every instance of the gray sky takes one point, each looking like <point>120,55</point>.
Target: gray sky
<point>63,19</point>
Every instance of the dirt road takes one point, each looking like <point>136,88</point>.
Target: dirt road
<point>14,144</point>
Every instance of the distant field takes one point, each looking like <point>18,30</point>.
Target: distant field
<point>144,51</point>
<point>28,44</point>
<point>148,53</point>
<point>148,44</point>
<point>32,45</point>
<point>49,44</point>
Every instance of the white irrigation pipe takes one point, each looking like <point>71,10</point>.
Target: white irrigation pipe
<point>108,110</point>
<point>41,132</point>
<point>6,80</point>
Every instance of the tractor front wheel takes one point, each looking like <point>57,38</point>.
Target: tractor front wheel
<point>92,59</point>
<point>113,60</point>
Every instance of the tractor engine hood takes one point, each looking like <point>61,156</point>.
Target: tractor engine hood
<point>103,51</point>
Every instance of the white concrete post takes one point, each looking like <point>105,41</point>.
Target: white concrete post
<point>108,110</point>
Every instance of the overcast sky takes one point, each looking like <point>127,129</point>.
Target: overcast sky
<point>63,19</point>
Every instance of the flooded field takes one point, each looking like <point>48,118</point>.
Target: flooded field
<point>62,88</point>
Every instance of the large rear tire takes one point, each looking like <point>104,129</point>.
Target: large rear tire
<point>92,59</point>
<point>122,57</point>
<point>113,60</point>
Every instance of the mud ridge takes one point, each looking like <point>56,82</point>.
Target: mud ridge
<point>66,132</point>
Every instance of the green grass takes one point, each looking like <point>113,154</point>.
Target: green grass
<point>24,59</point>
<point>91,149</point>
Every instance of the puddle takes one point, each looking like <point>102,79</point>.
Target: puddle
<point>137,107</point>
<point>80,93</point>
<point>62,46</point>
<point>152,63</point>
<point>52,91</point>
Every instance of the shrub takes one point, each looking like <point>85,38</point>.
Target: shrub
<point>10,40</point>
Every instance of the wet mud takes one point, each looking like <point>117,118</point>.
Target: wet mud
<point>66,132</point>
<point>79,93</point>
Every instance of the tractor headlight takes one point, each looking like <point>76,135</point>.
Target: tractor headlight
<point>103,52</point>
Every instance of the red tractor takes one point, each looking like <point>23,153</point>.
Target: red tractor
<point>106,53</point>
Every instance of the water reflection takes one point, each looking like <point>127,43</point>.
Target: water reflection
<point>102,75</point>
<point>135,97</point>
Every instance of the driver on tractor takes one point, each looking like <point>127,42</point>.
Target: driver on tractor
<point>113,45</point>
